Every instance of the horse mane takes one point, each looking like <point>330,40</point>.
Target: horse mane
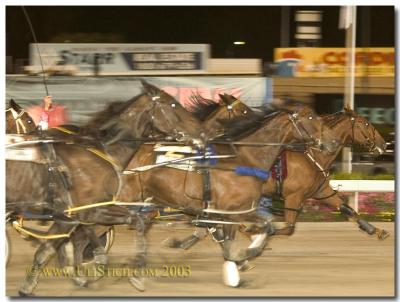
<point>331,120</point>
<point>202,107</point>
<point>239,127</point>
<point>111,110</point>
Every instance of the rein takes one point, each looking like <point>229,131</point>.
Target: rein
<point>17,119</point>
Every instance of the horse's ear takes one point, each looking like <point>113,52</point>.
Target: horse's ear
<point>12,104</point>
<point>223,98</point>
<point>150,89</point>
<point>346,108</point>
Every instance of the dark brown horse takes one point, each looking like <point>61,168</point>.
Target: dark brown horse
<point>75,174</point>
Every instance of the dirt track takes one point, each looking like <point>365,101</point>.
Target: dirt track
<point>320,259</point>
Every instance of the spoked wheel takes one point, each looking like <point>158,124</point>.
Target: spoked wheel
<point>106,239</point>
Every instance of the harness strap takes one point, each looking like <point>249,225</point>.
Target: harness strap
<point>65,130</point>
<point>325,197</point>
<point>17,119</point>
<point>90,206</point>
<point>326,174</point>
<point>105,156</point>
<point>206,188</point>
<point>34,233</point>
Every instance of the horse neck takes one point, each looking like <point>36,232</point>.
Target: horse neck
<point>123,153</point>
<point>342,133</point>
<point>264,156</point>
<point>211,125</point>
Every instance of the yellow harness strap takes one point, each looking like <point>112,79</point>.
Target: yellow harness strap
<point>93,150</point>
<point>62,129</point>
<point>25,232</point>
<point>105,157</point>
<point>89,206</point>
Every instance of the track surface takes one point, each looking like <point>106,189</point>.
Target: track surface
<point>320,259</point>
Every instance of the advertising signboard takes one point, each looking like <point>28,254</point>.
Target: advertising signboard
<point>331,62</point>
<point>123,59</point>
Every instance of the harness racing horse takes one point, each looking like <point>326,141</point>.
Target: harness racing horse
<point>231,195</point>
<point>308,177</point>
<point>71,182</point>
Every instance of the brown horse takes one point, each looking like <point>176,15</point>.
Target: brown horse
<point>308,177</point>
<point>74,174</point>
<point>259,142</point>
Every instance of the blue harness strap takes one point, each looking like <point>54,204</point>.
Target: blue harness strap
<point>256,172</point>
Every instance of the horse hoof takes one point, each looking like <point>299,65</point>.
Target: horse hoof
<point>246,266</point>
<point>171,243</point>
<point>230,274</point>
<point>101,259</point>
<point>81,282</point>
<point>23,294</point>
<point>382,234</point>
<point>137,283</point>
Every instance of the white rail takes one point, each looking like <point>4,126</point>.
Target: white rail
<point>356,186</point>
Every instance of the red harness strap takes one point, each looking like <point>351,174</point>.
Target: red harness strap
<point>280,167</point>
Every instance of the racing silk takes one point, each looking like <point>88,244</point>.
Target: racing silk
<point>55,116</point>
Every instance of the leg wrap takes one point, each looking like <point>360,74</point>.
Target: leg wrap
<point>347,210</point>
<point>367,227</point>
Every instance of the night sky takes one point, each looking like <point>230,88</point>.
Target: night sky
<point>215,25</point>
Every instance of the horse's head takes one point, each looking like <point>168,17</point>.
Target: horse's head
<point>18,121</point>
<point>230,108</point>
<point>364,133</point>
<point>152,114</point>
<point>310,128</point>
<point>234,107</point>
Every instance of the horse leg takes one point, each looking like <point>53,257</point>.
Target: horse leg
<point>42,256</point>
<point>234,256</point>
<point>186,243</point>
<point>337,202</point>
<point>141,249</point>
<point>230,272</point>
<point>293,201</point>
<point>100,255</point>
<point>67,259</point>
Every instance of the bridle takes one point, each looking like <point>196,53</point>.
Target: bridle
<point>17,119</point>
<point>369,143</point>
<point>302,131</point>
<point>177,135</point>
